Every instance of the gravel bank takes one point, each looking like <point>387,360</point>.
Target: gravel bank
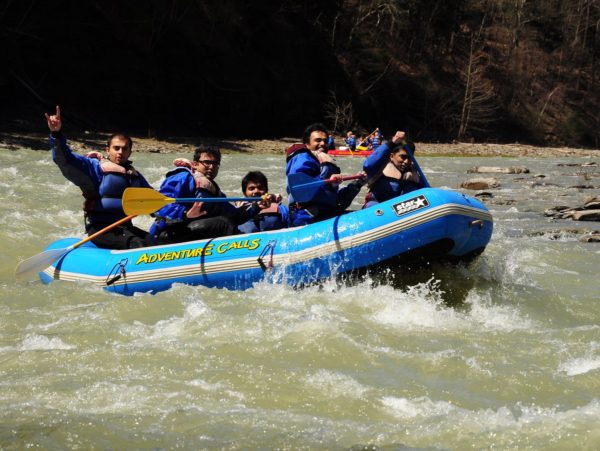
<point>96,141</point>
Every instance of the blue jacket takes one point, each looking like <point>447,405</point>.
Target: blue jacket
<point>384,188</point>
<point>330,143</point>
<point>265,222</point>
<point>374,141</point>
<point>180,183</point>
<point>177,183</point>
<point>102,190</point>
<point>327,201</point>
<point>351,142</point>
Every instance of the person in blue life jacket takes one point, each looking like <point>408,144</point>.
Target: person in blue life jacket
<point>375,140</point>
<point>311,158</point>
<point>273,217</point>
<point>330,145</point>
<point>363,142</point>
<point>390,171</point>
<point>350,140</point>
<point>102,182</point>
<point>178,222</point>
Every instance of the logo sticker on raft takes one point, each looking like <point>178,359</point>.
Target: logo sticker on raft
<point>409,205</point>
<point>209,249</point>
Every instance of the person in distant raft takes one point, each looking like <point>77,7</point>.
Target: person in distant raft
<point>178,222</point>
<point>390,171</point>
<point>330,142</point>
<point>350,140</point>
<point>311,158</point>
<point>102,182</point>
<point>375,139</point>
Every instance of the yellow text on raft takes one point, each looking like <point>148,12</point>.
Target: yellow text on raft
<point>241,244</point>
<point>175,255</point>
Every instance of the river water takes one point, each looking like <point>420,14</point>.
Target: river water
<point>503,354</point>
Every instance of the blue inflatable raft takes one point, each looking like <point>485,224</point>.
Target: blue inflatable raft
<point>432,222</point>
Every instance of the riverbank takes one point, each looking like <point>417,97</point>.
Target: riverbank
<point>85,142</point>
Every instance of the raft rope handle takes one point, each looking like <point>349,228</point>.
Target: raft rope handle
<point>269,247</point>
<point>121,270</point>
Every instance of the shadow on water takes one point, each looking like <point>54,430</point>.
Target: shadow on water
<point>452,276</point>
<point>451,281</point>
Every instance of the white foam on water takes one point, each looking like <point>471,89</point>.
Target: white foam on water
<point>35,342</point>
<point>217,387</point>
<point>577,366</point>
<point>405,408</point>
<point>422,307</point>
<point>516,266</point>
<point>207,386</point>
<point>195,308</point>
<point>417,307</point>
<point>108,397</point>
<point>46,162</point>
<point>495,317</point>
<point>335,385</point>
<point>553,417</point>
<point>502,420</point>
<point>8,171</point>
<point>175,326</point>
<point>475,366</point>
<point>50,325</point>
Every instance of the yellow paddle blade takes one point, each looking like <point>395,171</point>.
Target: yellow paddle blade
<point>143,201</point>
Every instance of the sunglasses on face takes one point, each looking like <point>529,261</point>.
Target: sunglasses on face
<point>210,163</point>
<point>403,156</point>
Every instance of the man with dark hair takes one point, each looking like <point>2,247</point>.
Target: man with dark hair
<point>390,170</point>
<point>258,183</point>
<point>179,222</point>
<point>102,182</point>
<point>272,217</point>
<point>311,158</point>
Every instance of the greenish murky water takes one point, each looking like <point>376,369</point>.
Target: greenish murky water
<point>504,354</point>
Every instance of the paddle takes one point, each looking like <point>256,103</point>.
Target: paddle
<point>303,187</point>
<point>362,143</point>
<point>425,182</point>
<point>33,265</point>
<point>143,201</point>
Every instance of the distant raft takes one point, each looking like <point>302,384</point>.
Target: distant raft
<point>345,152</point>
<point>430,222</point>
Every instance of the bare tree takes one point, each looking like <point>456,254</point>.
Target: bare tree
<point>339,114</point>
<point>478,104</point>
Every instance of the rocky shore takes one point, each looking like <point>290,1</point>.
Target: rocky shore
<point>85,142</point>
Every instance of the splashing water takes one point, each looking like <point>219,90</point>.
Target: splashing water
<point>501,353</point>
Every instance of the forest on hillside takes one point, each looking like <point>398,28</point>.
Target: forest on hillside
<point>443,70</point>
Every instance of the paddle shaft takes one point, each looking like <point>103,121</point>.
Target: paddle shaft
<point>37,263</point>
<point>140,201</point>
<point>414,161</point>
<point>211,199</point>
<point>367,138</point>
<point>101,231</point>
<point>303,191</point>
<point>342,179</point>
<point>325,181</point>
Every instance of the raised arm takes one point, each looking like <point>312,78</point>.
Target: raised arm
<point>54,121</point>
<point>375,162</point>
<point>82,171</point>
